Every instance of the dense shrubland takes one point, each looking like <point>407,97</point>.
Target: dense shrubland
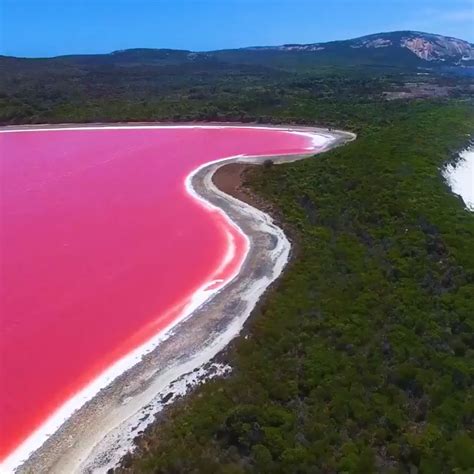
<point>45,91</point>
<point>225,96</point>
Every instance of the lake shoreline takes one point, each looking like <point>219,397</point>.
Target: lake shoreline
<point>190,346</point>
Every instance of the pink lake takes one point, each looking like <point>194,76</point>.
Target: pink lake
<point>101,248</point>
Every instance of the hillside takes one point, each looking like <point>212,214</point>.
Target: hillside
<point>400,48</point>
<point>406,49</point>
<point>271,84</point>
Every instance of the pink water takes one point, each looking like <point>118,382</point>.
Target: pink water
<point>101,248</point>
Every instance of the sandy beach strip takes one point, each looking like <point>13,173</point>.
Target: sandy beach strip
<point>133,392</point>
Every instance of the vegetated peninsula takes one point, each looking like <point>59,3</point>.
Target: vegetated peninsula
<point>360,358</point>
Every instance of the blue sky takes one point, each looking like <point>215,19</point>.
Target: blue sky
<point>52,27</point>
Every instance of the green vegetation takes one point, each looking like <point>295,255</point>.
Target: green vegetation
<point>141,85</point>
<point>362,359</point>
<point>163,93</point>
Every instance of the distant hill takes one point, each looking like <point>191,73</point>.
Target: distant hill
<point>396,48</point>
<point>400,49</point>
<point>290,81</point>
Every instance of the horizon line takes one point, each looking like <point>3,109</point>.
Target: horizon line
<point>2,55</point>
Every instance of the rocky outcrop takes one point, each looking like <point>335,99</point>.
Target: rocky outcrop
<point>426,46</point>
<point>438,48</point>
